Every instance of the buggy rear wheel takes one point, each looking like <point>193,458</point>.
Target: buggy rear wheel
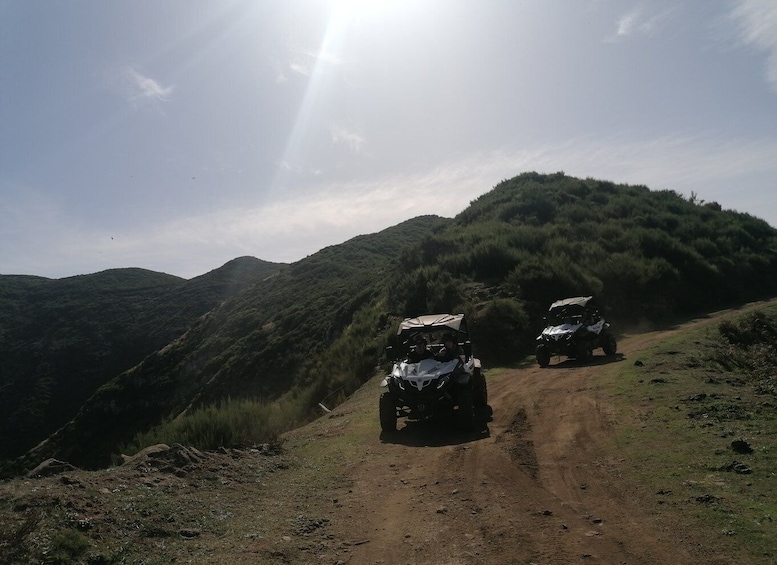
<point>543,355</point>
<point>465,415</point>
<point>480,390</point>
<point>610,346</point>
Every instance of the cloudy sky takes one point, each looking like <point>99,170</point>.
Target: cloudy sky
<point>176,135</point>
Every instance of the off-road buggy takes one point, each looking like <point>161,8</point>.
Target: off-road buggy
<point>574,327</point>
<point>426,388</point>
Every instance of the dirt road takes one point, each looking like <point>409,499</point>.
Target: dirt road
<point>539,483</point>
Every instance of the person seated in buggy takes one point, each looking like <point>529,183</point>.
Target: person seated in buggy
<point>450,350</point>
<point>419,352</point>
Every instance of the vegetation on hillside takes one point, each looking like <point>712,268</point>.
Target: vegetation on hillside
<point>315,330</point>
<point>535,238</point>
<point>703,437</point>
<point>266,342</point>
<point>62,339</point>
<point>650,255</point>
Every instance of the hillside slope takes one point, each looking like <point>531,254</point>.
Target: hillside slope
<point>542,481</point>
<point>253,345</point>
<point>61,339</point>
<point>318,328</point>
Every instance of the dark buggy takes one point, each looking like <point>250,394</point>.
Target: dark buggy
<point>574,328</point>
<point>420,389</point>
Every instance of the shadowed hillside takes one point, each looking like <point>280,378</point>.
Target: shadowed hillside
<point>62,339</point>
<point>254,345</point>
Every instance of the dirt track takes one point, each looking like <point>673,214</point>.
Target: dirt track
<point>539,483</point>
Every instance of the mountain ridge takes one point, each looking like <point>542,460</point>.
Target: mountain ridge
<point>317,328</point>
<point>63,338</point>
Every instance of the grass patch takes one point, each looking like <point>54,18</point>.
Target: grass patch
<point>67,546</point>
<point>699,432</point>
<point>230,423</point>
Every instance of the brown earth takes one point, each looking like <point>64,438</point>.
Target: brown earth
<point>540,482</point>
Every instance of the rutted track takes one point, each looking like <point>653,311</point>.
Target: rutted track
<point>539,483</point>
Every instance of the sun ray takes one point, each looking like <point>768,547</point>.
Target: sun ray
<point>317,78</point>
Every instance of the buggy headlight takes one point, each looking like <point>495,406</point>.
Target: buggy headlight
<point>443,381</point>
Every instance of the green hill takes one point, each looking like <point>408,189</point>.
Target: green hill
<point>261,343</point>
<point>649,255</point>
<point>62,339</point>
<point>262,360</point>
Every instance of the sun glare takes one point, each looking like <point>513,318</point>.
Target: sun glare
<point>357,9</point>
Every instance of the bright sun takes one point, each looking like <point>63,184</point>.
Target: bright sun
<point>353,9</point>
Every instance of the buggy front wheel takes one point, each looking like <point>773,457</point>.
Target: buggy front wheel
<point>543,355</point>
<point>388,413</point>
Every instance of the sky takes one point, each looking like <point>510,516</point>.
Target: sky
<point>176,135</point>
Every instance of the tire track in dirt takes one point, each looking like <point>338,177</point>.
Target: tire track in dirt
<point>537,483</point>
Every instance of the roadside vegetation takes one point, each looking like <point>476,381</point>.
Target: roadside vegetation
<point>704,408</point>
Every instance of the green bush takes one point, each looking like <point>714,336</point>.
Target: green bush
<point>230,423</point>
<point>67,546</point>
<point>749,348</point>
<point>501,331</point>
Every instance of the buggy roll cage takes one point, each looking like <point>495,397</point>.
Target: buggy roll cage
<point>432,326</point>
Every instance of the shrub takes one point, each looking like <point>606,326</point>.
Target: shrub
<point>502,331</point>
<point>748,347</point>
<point>230,423</point>
<point>67,546</point>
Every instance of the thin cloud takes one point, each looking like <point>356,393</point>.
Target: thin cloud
<point>638,22</point>
<point>757,23</point>
<point>300,69</point>
<point>352,140</point>
<point>628,24</point>
<point>326,57</point>
<point>305,63</point>
<point>146,88</point>
<point>280,75</point>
